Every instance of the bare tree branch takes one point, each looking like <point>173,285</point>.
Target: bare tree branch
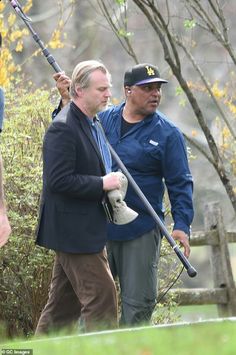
<point>115,25</point>
<point>201,149</point>
<point>51,13</point>
<point>221,35</point>
<point>202,76</point>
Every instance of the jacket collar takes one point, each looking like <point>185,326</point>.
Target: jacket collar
<point>85,126</point>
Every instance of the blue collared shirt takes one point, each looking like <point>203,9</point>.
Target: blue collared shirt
<point>154,153</point>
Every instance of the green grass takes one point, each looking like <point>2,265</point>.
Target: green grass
<point>197,313</point>
<point>205,338</point>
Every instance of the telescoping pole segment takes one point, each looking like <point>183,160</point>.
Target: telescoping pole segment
<point>17,7</point>
<point>190,269</point>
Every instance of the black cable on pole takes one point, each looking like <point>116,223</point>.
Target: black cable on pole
<point>190,269</point>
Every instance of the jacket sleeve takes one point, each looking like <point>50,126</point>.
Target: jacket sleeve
<point>179,182</point>
<point>59,158</point>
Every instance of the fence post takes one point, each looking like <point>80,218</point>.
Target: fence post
<point>220,259</point>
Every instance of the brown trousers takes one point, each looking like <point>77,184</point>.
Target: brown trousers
<point>82,288</point>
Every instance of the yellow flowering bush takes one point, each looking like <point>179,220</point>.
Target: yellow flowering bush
<point>12,37</point>
<point>13,34</point>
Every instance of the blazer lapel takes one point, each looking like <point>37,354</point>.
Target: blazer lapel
<point>84,125</point>
<point>87,131</point>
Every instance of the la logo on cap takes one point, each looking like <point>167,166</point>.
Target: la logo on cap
<point>150,71</point>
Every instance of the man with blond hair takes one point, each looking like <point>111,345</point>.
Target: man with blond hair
<point>76,176</point>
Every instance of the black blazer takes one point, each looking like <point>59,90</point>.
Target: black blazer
<point>72,218</point>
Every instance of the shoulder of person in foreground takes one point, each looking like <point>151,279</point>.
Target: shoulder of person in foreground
<point>5,228</point>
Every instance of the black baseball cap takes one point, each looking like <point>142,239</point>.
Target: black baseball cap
<point>142,74</point>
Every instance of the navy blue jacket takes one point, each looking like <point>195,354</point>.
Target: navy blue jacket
<point>72,218</point>
<point>154,153</point>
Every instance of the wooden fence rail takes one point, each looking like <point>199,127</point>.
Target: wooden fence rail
<point>224,292</point>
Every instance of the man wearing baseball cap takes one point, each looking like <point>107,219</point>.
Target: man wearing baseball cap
<point>142,74</point>
<point>154,152</point>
